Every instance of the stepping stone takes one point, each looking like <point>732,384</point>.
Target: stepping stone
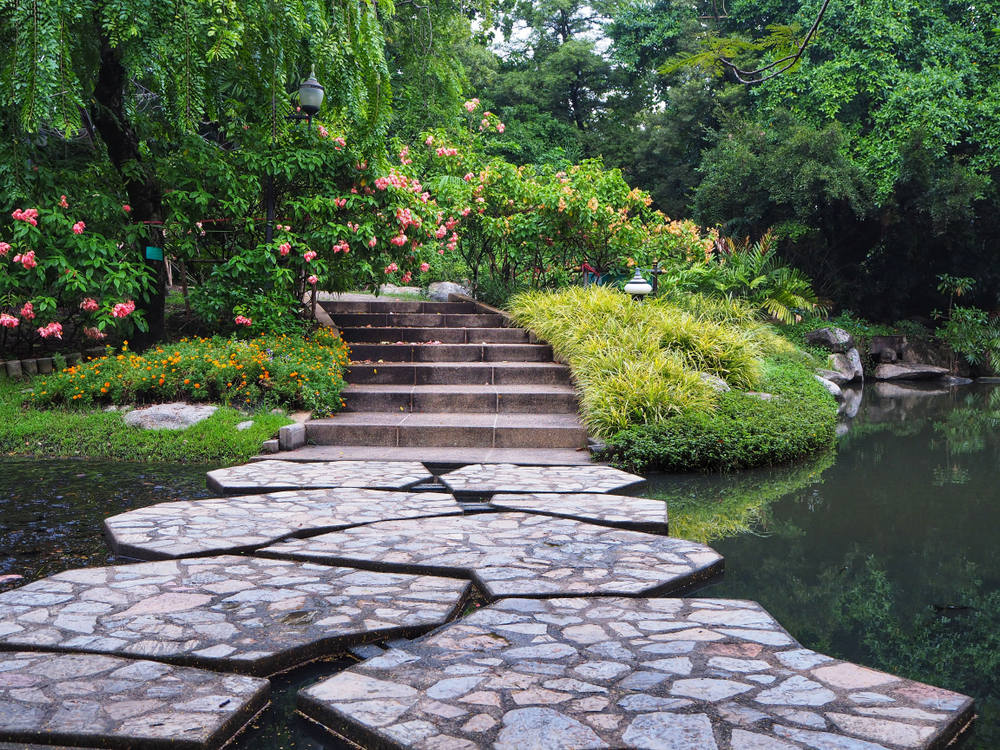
<point>104,701</point>
<point>517,554</point>
<point>482,480</point>
<point>637,513</point>
<point>238,524</point>
<point>649,674</point>
<point>272,476</point>
<point>234,614</point>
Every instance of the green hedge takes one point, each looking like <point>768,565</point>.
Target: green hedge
<point>742,431</point>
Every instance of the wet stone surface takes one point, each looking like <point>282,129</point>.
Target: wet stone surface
<point>482,480</point>
<point>237,614</point>
<point>517,554</point>
<point>273,476</point>
<point>637,513</point>
<point>235,524</point>
<point>105,701</point>
<point>651,674</point>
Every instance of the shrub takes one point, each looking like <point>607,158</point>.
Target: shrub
<point>289,370</point>
<point>743,431</point>
<point>644,363</point>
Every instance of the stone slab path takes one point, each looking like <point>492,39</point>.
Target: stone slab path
<point>239,614</point>
<point>273,476</point>
<point>517,554</point>
<point>483,480</point>
<point>650,674</point>
<point>636,513</point>
<point>104,701</point>
<point>238,524</point>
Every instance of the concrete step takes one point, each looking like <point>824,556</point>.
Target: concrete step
<point>479,399</point>
<point>448,458</point>
<point>398,306</point>
<point>416,320</point>
<point>444,335</point>
<point>455,373</point>
<point>451,353</point>
<point>448,430</point>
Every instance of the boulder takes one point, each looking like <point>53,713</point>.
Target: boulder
<point>836,340</point>
<point>714,382</point>
<point>907,371</point>
<point>177,416</point>
<point>439,291</point>
<point>848,364</point>
<point>833,376</point>
<point>886,348</point>
<point>832,387</point>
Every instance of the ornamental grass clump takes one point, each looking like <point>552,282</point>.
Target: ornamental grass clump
<point>293,371</point>
<point>643,363</point>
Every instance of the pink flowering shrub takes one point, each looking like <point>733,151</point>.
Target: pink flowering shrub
<point>52,329</point>
<point>8,321</point>
<point>123,309</point>
<point>242,320</point>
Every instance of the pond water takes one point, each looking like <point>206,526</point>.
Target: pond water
<point>884,552</point>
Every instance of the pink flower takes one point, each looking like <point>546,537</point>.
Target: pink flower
<point>123,309</point>
<point>441,232</point>
<point>469,176</point>
<point>399,240</point>
<point>284,248</point>
<point>29,215</point>
<point>340,141</point>
<point>470,106</point>
<point>465,211</point>
<point>340,202</point>
<point>341,246</point>
<point>314,279</point>
<point>372,242</point>
<point>79,227</point>
<point>440,252</point>
<point>62,202</point>
<point>52,329</point>
<point>322,132</point>
<point>391,268</point>
<point>425,267</point>
<point>89,304</point>
<point>26,259</point>
<point>500,127</point>
<point>28,311</point>
<point>309,255</point>
<point>8,321</point>
<point>429,141</point>
<point>94,333</point>
<point>127,208</point>
<point>406,277</point>
<point>243,321</point>
<point>4,249</point>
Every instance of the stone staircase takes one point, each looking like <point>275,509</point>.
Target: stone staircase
<point>448,382</point>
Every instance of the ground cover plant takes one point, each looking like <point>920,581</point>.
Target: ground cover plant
<point>286,370</point>
<point>651,377</point>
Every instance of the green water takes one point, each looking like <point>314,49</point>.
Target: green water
<point>887,553</point>
<point>884,552</point>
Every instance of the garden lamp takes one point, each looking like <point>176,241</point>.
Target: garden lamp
<point>638,287</point>
<point>310,94</point>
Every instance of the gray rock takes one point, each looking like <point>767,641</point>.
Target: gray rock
<point>714,382</point>
<point>176,416</point>
<point>244,425</point>
<point>832,387</point>
<point>833,376</point>
<point>439,290</point>
<point>270,446</point>
<point>848,364</point>
<point>904,371</point>
<point>836,340</point>
<point>292,436</point>
<point>45,366</point>
<point>761,396</point>
<point>887,356</point>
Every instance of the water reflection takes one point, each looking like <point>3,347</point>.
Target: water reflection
<point>886,555</point>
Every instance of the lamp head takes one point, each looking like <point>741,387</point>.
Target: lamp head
<point>638,287</point>
<point>311,94</point>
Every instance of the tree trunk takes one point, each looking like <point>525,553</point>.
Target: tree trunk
<point>144,193</point>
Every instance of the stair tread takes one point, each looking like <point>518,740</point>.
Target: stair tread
<point>541,388</point>
<point>437,455</point>
<point>467,365</point>
<point>452,419</point>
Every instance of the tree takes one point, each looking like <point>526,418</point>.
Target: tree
<point>133,78</point>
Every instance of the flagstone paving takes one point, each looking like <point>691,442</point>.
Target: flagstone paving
<point>104,701</point>
<point>482,480</point>
<point>516,554</point>
<point>238,614</point>
<point>636,513</point>
<point>237,524</point>
<point>273,476</point>
<point>649,674</point>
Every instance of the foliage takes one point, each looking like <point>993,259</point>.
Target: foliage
<point>642,363</point>
<point>285,370</point>
<point>82,432</point>
<point>974,334</point>
<point>742,432</point>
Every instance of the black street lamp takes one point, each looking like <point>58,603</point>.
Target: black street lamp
<point>310,100</point>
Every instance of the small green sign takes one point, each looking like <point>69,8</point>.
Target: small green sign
<point>154,253</point>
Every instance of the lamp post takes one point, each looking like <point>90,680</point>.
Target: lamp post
<point>638,287</point>
<point>310,99</point>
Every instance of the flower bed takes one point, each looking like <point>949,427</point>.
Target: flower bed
<point>292,371</point>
